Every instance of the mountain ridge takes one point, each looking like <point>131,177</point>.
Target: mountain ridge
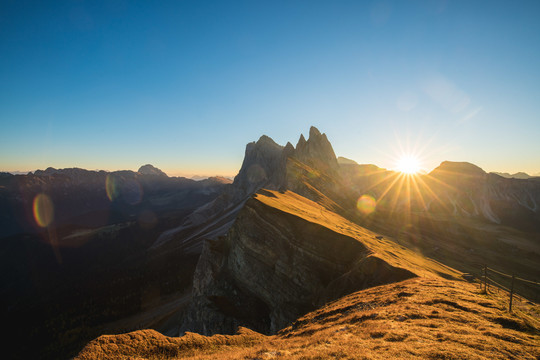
<point>419,318</point>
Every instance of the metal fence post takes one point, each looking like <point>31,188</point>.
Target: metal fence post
<point>485,279</point>
<point>511,293</point>
<point>487,283</point>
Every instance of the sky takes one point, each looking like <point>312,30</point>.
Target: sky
<point>185,85</point>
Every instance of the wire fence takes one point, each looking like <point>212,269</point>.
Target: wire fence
<point>487,279</point>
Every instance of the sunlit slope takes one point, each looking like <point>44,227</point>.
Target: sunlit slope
<point>286,255</point>
<point>420,318</point>
<point>388,251</point>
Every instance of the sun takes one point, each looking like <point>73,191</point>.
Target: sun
<point>408,164</point>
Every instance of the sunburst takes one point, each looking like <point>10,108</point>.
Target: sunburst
<point>408,164</point>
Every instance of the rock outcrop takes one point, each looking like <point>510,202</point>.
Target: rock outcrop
<point>316,151</point>
<point>277,263</point>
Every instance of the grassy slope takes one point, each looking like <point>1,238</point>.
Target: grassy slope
<point>394,254</point>
<point>424,317</point>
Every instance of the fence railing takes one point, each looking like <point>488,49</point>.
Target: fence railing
<point>486,280</point>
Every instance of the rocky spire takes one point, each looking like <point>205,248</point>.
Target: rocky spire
<point>317,150</point>
<point>314,132</point>
<point>265,161</point>
<point>263,166</point>
<point>301,142</point>
<point>288,150</point>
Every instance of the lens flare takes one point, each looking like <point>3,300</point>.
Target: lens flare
<point>366,204</point>
<point>43,209</point>
<point>111,187</point>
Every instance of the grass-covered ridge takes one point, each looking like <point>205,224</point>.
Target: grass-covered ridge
<point>434,315</point>
<point>420,318</point>
<point>394,254</point>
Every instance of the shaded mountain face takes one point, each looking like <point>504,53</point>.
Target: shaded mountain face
<point>263,166</point>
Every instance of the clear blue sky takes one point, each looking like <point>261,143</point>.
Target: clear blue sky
<point>184,85</point>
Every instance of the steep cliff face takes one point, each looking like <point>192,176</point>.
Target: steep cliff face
<point>270,267</point>
<point>284,256</point>
<point>263,166</point>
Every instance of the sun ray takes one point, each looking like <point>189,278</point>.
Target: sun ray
<point>386,178</point>
<point>388,188</point>
<point>433,194</point>
<point>415,180</point>
<point>448,186</point>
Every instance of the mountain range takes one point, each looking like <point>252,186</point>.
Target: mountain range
<point>297,229</point>
<point>518,175</point>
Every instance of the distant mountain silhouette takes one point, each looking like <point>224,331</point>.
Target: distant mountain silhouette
<point>150,170</point>
<point>518,175</point>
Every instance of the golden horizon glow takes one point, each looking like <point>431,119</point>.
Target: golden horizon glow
<point>408,164</point>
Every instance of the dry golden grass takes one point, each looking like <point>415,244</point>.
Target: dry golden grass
<point>420,318</point>
<point>390,252</point>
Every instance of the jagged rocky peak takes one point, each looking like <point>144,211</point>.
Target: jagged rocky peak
<point>301,142</point>
<point>314,132</point>
<point>288,150</point>
<point>265,140</point>
<point>265,162</point>
<point>263,166</point>
<point>150,170</point>
<point>317,150</point>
